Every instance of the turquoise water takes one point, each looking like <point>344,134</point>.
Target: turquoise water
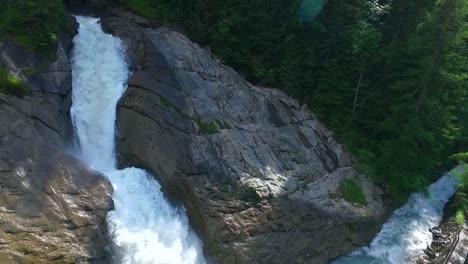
<point>406,234</point>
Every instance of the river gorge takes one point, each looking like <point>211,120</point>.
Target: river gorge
<point>150,150</point>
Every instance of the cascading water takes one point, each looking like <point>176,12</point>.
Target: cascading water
<point>146,228</point>
<point>406,234</point>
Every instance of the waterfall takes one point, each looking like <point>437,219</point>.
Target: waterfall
<point>406,234</point>
<point>146,229</point>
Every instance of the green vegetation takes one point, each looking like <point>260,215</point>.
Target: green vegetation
<point>352,192</point>
<point>11,85</point>
<point>207,128</point>
<point>35,25</point>
<point>389,77</point>
<point>166,103</point>
<point>161,10</point>
<point>460,217</point>
<point>462,191</point>
<point>142,7</point>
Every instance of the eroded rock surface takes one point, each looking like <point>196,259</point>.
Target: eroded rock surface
<point>258,173</point>
<point>52,206</point>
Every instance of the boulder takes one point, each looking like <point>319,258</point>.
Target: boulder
<point>258,173</point>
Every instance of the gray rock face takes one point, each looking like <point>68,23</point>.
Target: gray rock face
<point>258,173</point>
<point>52,206</point>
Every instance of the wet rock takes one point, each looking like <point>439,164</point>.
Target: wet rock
<point>54,212</point>
<point>49,82</point>
<point>52,206</point>
<point>258,173</point>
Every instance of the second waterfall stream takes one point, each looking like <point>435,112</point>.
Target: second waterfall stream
<point>146,228</point>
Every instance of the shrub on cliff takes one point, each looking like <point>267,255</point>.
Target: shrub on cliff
<point>11,85</point>
<point>352,192</point>
<point>208,128</point>
<point>462,197</point>
<point>462,191</point>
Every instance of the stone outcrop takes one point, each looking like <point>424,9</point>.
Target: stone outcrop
<point>258,173</point>
<point>52,206</point>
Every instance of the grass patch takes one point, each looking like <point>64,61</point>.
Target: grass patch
<point>460,217</point>
<point>462,190</point>
<point>352,192</point>
<point>208,128</point>
<point>34,24</point>
<point>11,85</point>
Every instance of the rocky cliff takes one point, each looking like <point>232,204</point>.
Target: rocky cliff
<point>52,206</point>
<point>258,173</point>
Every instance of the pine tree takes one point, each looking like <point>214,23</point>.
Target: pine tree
<point>422,122</point>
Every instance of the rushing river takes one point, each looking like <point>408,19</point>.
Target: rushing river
<point>406,234</point>
<point>147,230</point>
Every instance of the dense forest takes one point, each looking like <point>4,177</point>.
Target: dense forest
<point>33,24</point>
<point>390,78</point>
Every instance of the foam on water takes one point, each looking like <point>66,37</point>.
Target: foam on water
<point>146,228</point>
<point>406,234</point>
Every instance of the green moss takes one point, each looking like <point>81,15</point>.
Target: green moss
<point>461,196</point>
<point>352,192</point>
<point>11,85</point>
<point>208,128</point>
<point>34,25</point>
<point>460,217</point>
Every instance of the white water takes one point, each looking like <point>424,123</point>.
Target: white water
<point>406,234</point>
<point>147,230</point>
